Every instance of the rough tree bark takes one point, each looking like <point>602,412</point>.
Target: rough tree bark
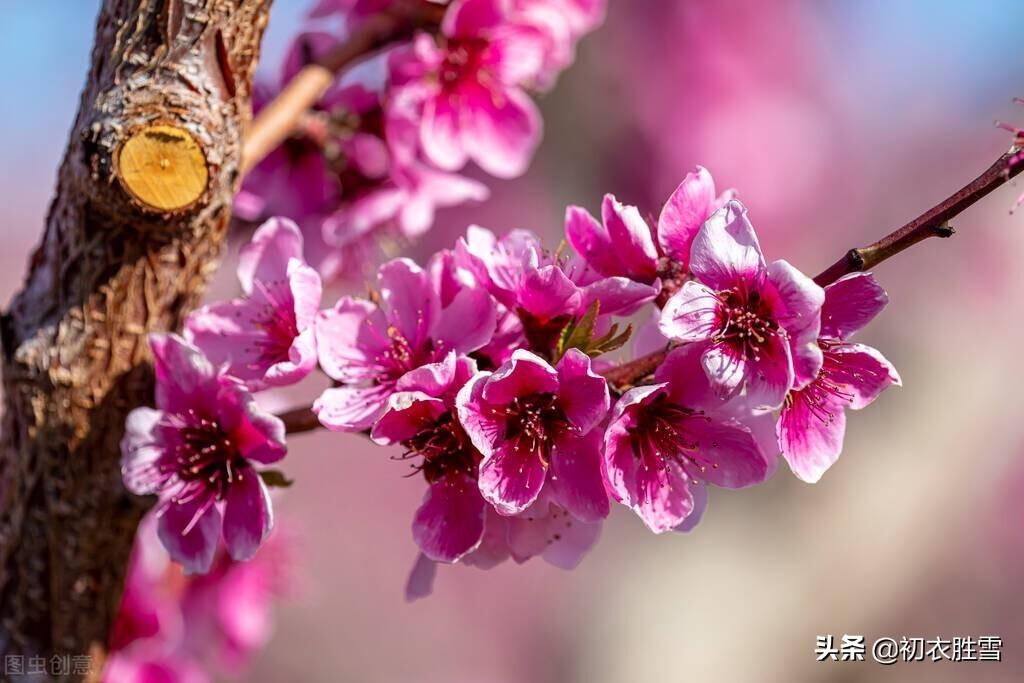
<point>142,206</point>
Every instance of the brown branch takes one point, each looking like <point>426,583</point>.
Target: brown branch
<point>299,420</point>
<point>141,210</point>
<point>932,223</point>
<point>281,117</point>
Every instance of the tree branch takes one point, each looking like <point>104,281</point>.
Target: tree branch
<point>141,210</point>
<point>299,420</point>
<point>932,223</point>
<point>281,117</point>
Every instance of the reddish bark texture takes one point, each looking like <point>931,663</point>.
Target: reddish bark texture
<point>108,271</point>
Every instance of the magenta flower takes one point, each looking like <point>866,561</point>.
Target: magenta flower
<point>623,244</point>
<point>525,278</point>
<point>813,421</point>
<point>530,420</point>
<point>265,338</point>
<point>470,88</point>
<point>759,323</point>
<point>562,23</point>
<point>367,347</point>
<point>665,441</point>
<point>421,416</point>
<point>198,450</point>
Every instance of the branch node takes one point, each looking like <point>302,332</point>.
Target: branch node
<point>944,230</point>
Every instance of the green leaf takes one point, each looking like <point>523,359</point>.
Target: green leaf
<point>275,479</point>
<point>610,342</point>
<point>579,333</point>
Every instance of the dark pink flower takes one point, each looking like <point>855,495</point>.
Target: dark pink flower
<point>813,421</point>
<point>760,322</point>
<point>562,23</point>
<point>421,416</point>
<point>367,347</point>
<point>198,450</point>
<point>469,86</point>
<point>265,338</point>
<point>666,441</point>
<point>530,421</point>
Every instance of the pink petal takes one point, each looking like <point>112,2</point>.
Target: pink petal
<point>500,130</point>
<point>548,292</point>
<point>861,372</point>
<point>549,531</point>
<point>684,213</point>
<point>526,373</point>
<point>691,314</point>
<point>800,315</point>
<point>484,427</point>
<point>770,376</point>
<point>450,522</point>
<point>510,479</point>
<point>582,393</point>
<point>471,18</point>
<point>468,323</point>
<point>811,437</point>
<point>618,295</point>
<point>405,415</point>
<point>493,548</point>
<point>248,516</point>
<point>632,240</point>
<point>185,379</point>
<point>349,338</point>
<point>350,409</point>
<point>590,239</point>
<point>407,295</point>
<point>195,549</point>
<point>688,383</point>
<point>140,451</point>
<point>725,250</point>
<point>575,477</point>
<point>699,493</point>
<point>266,256</point>
<point>726,368</point>
<point>851,302</point>
<point>440,134</point>
<point>733,450</point>
<point>258,434</point>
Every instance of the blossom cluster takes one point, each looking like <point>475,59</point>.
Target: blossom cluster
<point>487,367</point>
<point>383,149</point>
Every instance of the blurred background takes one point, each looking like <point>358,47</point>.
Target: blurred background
<point>836,122</point>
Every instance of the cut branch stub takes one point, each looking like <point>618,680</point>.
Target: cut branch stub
<point>163,167</point>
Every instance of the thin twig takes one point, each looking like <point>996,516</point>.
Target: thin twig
<point>279,119</point>
<point>299,420</point>
<point>932,223</point>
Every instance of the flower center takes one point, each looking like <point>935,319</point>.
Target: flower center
<point>206,459</point>
<point>533,423</point>
<point>747,320</point>
<point>463,60</point>
<point>444,449</point>
<point>662,436</point>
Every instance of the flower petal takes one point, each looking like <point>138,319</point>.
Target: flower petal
<point>500,130</point>
<point>632,240</point>
<point>420,583</point>
<point>524,374</point>
<point>265,258</point>
<point>575,477</point>
<point>511,479</point>
<point>691,314</point>
<point>582,393</point>
<point>350,409</point>
<point>725,250</point>
<point>851,302</point>
<point>190,532</point>
<point>450,522</point>
<point>861,371</point>
<point>811,434</point>
<point>800,315</point>
<point>248,515</point>
<point>684,213</point>
<point>140,451</point>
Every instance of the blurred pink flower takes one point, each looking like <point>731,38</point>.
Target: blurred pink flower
<point>469,88</point>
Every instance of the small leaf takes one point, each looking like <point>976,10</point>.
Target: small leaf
<point>275,479</point>
<point>579,333</point>
<point>610,342</point>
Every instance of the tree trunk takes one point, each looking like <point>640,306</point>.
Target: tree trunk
<point>141,210</point>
